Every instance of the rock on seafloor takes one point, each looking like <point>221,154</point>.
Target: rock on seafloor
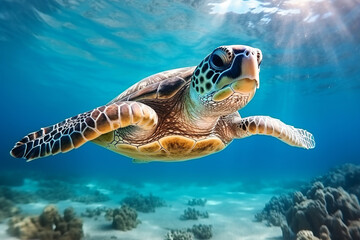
<point>325,212</point>
<point>200,231</point>
<point>346,176</point>
<point>193,214</point>
<point>143,203</point>
<point>197,202</point>
<point>7,209</point>
<point>48,225</point>
<point>178,235</point>
<point>124,218</point>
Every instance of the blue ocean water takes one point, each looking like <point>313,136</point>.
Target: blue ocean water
<point>59,58</point>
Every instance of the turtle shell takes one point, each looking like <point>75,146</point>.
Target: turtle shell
<point>162,85</point>
<point>169,147</point>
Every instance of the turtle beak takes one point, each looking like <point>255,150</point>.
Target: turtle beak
<point>245,68</point>
<point>250,65</point>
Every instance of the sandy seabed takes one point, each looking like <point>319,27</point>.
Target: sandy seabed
<point>231,212</point>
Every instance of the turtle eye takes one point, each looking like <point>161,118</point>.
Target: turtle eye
<point>221,58</point>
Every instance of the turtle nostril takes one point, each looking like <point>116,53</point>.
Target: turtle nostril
<point>247,53</point>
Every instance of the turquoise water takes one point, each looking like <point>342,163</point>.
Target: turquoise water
<point>61,58</point>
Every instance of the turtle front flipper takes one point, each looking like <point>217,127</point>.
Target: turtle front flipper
<point>265,125</point>
<point>74,132</point>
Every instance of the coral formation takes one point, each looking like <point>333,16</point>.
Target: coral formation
<point>7,209</point>
<point>274,212</point>
<point>95,212</point>
<point>143,203</point>
<point>178,235</point>
<point>201,231</point>
<point>49,225</point>
<point>94,197</point>
<point>306,235</point>
<point>124,218</point>
<point>326,212</point>
<point>54,195</point>
<point>55,190</point>
<point>8,199</point>
<point>193,214</point>
<point>197,202</point>
<point>346,176</point>
<point>17,196</point>
<point>58,190</point>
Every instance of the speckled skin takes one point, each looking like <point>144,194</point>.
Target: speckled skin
<point>172,116</point>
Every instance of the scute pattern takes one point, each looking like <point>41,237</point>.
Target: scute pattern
<point>170,148</point>
<point>161,90</point>
<point>75,131</point>
<point>147,87</point>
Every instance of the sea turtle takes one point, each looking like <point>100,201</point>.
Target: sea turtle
<point>174,115</point>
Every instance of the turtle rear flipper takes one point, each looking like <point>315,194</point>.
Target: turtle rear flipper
<point>265,125</point>
<point>75,131</point>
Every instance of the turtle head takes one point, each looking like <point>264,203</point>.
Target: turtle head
<point>226,80</point>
